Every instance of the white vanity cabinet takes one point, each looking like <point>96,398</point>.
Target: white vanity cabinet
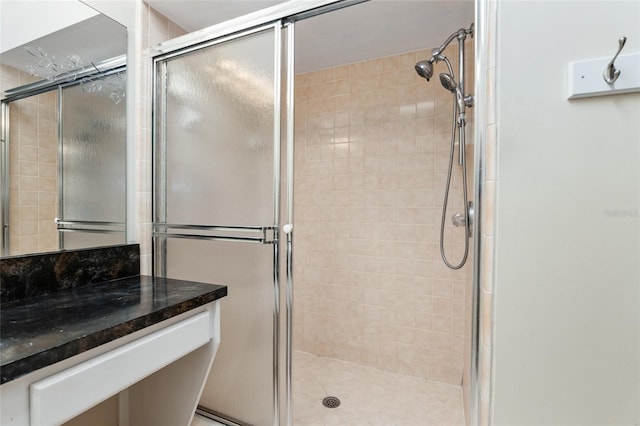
<point>158,373</point>
<point>79,327</point>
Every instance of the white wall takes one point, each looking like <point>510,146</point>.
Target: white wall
<point>44,17</point>
<point>122,11</point>
<point>567,324</point>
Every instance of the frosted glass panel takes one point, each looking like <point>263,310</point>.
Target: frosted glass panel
<point>75,240</point>
<point>93,156</point>
<point>219,128</point>
<point>240,384</point>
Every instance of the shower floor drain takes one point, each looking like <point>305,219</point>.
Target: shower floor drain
<point>331,402</point>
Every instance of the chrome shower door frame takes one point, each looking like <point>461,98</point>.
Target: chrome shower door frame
<point>263,234</point>
<point>4,187</point>
<point>480,404</point>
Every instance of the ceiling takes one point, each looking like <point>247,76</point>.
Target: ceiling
<point>60,30</point>
<point>372,29</point>
<point>93,40</point>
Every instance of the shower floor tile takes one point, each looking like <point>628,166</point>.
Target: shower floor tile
<point>369,396</point>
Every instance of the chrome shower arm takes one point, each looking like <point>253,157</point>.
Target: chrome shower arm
<point>462,33</point>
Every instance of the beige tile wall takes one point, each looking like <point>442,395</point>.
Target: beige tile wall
<point>33,168</point>
<point>372,151</point>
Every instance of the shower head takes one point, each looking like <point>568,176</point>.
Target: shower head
<point>448,82</point>
<point>425,68</point>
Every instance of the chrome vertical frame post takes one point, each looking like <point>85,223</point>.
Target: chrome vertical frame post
<point>277,90</point>
<point>60,167</point>
<point>480,55</point>
<point>5,177</point>
<point>462,113</point>
<point>288,227</point>
<point>159,175</point>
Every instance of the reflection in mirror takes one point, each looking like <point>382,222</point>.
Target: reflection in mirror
<point>63,127</point>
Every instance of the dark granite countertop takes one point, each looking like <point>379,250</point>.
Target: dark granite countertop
<point>41,331</point>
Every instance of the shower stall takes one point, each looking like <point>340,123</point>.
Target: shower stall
<point>316,195</point>
<point>376,185</point>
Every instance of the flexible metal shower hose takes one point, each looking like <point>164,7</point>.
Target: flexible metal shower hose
<point>464,192</point>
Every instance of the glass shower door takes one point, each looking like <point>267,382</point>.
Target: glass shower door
<point>216,170</point>
<point>92,175</point>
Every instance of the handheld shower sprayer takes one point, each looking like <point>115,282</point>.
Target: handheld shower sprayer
<point>449,83</point>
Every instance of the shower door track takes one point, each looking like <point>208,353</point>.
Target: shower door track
<point>102,69</point>
<point>290,11</point>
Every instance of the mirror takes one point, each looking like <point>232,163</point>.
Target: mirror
<point>63,81</point>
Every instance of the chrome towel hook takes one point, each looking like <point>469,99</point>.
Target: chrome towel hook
<point>611,74</point>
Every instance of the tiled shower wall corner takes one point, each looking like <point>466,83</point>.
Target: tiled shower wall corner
<point>34,167</point>
<point>155,28</point>
<point>372,151</point>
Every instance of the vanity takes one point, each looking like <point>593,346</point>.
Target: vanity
<point>81,326</point>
